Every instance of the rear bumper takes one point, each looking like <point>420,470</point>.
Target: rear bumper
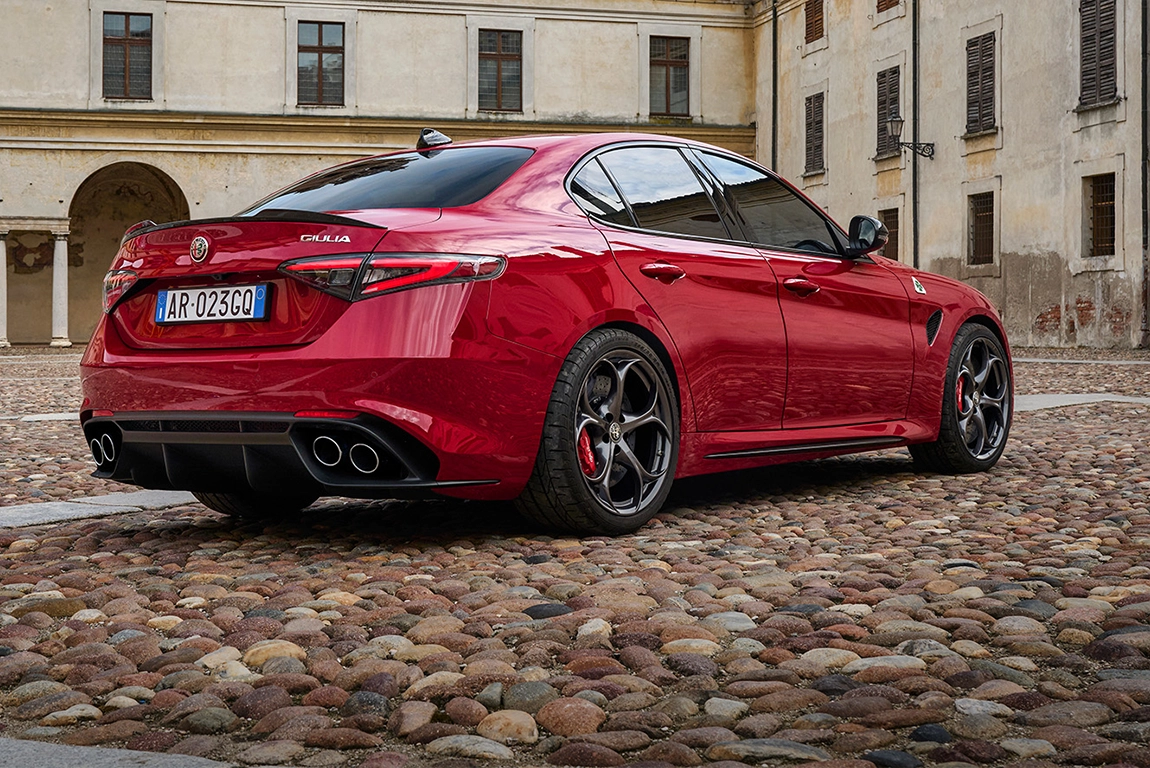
<point>269,453</point>
<point>461,410</point>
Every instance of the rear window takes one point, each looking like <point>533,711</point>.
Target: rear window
<point>442,178</point>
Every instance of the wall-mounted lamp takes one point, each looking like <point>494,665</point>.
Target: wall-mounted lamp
<point>894,129</point>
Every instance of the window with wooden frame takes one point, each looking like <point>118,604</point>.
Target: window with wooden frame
<point>980,84</point>
<point>980,216</point>
<point>1100,215</point>
<point>889,217</point>
<point>319,69</point>
<point>500,70</point>
<point>814,20</point>
<point>888,107</point>
<point>670,74</point>
<point>1099,66</point>
<point>127,56</point>
<point>886,5</point>
<point>814,118</point>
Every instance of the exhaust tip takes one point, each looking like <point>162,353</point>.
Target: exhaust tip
<point>364,458</point>
<point>108,446</point>
<point>98,452</point>
<point>326,451</point>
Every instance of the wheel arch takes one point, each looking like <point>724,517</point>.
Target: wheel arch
<point>660,349</point>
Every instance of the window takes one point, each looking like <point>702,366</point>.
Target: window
<point>814,18</point>
<point>500,70</point>
<point>319,71</point>
<point>597,195</point>
<point>1100,215</point>
<point>886,5</point>
<point>980,83</point>
<point>981,217</point>
<point>814,115</point>
<point>774,215</point>
<point>446,178</point>
<point>127,56</point>
<point>664,192</point>
<point>889,217</point>
<point>670,67</point>
<point>888,107</point>
<point>1099,52</point>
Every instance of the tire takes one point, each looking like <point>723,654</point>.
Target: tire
<point>252,506</point>
<point>610,439</point>
<point>977,406</point>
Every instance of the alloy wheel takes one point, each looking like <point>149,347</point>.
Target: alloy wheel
<point>982,399</point>
<point>621,433</point>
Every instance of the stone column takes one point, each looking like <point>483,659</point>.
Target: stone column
<point>4,288</point>
<point>60,292</point>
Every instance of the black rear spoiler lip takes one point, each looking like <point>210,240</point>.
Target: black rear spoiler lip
<point>269,214</point>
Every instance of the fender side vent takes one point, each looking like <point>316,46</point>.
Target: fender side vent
<point>933,323</point>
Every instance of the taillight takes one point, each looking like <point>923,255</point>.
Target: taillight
<point>354,277</point>
<point>117,283</point>
<point>331,274</point>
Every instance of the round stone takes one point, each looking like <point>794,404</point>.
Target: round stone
<point>570,717</point>
<point>509,726</point>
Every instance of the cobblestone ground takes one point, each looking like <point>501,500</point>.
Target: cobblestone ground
<point>847,612</point>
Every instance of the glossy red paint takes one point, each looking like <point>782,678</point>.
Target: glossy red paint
<point>782,354</point>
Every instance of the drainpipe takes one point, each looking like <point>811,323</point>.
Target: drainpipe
<point>915,137</point>
<point>1144,341</point>
<point>775,85</point>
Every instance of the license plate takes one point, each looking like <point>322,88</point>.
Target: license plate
<point>223,304</point>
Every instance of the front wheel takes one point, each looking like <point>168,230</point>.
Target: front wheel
<point>610,439</point>
<point>977,406</point>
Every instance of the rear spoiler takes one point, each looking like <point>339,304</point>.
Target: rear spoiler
<point>268,214</point>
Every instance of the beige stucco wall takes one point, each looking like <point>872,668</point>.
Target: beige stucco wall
<point>1035,163</point>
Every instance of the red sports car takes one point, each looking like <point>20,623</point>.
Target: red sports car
<point>569,321</point>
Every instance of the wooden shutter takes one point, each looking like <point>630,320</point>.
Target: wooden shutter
<point>814,20</point>
<point>1099,55</point>
<point>888,107</point>
<point>814,114</point>
<point>886,5</point>
<point>980,83</point>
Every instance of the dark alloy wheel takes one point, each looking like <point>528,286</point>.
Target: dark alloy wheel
<point>610,439</point>
<point>977,408</point>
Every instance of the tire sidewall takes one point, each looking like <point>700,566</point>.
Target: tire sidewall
<point>948,431</point>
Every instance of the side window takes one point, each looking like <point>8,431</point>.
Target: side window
<point>773,214</point>
<point>664,193</point>
<point>597,196</point>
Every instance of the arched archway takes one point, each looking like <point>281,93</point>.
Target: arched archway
<point>107,203</point>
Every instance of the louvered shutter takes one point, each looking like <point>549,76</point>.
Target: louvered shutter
<point>1107,51</point>
<point>814,20</point>
<point>980,83</point>
<point>888,107</point>
<point>814,118</point>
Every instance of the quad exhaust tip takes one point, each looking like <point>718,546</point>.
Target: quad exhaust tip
<point>364,458</point>
<point>103,449</point>
<point>326,451</point>
<point>98,452</point>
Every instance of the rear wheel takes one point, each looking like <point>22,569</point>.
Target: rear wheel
<point>253,506</point>
<point>610,439</point>
<point>977,406</point>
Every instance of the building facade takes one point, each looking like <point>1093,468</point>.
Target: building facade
<point>115,111</point>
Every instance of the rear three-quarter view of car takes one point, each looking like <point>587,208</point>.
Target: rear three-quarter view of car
<point>569,321</point>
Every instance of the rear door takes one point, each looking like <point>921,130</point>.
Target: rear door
<point>849,344</point>
<point>718,299</point>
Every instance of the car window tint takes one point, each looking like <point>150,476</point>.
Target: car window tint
<point>774,214</point>
<point>664,193</point>
<point>597,196</point>
<point>442,178</point>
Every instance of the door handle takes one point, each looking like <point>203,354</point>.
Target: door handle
<point>801,286</point>
<point>664,273</point>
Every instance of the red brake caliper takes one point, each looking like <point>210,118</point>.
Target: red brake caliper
<point>586,455</point>
<point>958,391</point>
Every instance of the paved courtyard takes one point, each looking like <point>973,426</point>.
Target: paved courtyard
<point>847,612</point>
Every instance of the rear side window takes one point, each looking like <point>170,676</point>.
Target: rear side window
<point>664,193</point>
<point>596,195</point>
<point>774,214</point>
<point>443,178</point>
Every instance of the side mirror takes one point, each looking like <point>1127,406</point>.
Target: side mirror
<point>867,235</point>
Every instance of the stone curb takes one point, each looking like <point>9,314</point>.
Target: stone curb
<point>19,515</point>
<point>42,755</point>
